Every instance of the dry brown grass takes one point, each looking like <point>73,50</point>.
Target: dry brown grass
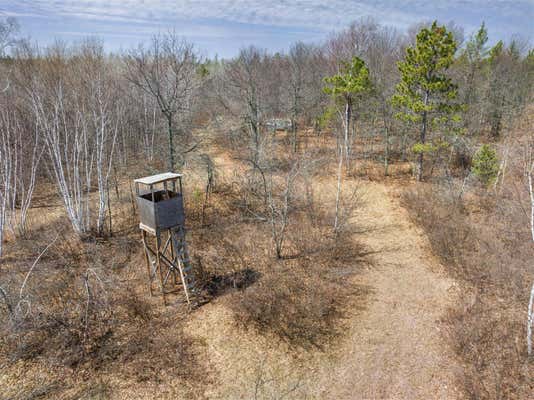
<point>479,248</point>
<point>120,333</point>
<point>301,307</point>
<point>297,299</point>
<point>85,314</point>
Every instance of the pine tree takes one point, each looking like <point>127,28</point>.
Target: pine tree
<point>486,164</point>
<point>495,95</point>
<point>475,52</point>
<point>426,94</point>
<point>475,49</point>
<point>496,51</point>
<point>346,86</point>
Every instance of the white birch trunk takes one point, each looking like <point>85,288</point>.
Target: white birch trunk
<point>69,152</point>
<point>341,154</point>
<point>18,167</point>
<point>6,172</point>
<point>531,194</point>
<point>530,321</point>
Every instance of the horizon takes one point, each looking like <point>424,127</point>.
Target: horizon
<point>222,28</point>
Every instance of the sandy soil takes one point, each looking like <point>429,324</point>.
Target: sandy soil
<point>392,350</point>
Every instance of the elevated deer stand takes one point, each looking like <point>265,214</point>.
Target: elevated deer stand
<point>161,211</point>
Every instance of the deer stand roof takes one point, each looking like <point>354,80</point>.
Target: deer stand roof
<point>162,223</point>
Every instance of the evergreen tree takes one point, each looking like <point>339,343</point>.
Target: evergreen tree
<point>496,51</point>
<point>475,52</point>
<point>486,164</point>
<point>347,86</point>
<point>475,49</point>
<point>426,94</point>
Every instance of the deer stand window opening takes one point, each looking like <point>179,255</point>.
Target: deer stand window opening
<point>162,224</point>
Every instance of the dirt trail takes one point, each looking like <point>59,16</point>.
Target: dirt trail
<point>392,350</point>
<point>396,350</point>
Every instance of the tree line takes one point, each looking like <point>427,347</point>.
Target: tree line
<point>76,115</point>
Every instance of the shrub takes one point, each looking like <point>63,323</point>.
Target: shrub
<point>77,316</point>
<point>296,306</point>
<point>486,328</point>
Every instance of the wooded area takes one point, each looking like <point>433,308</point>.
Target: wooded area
<point>444,118</point>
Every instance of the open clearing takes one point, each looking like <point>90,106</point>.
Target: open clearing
<point>393,349</point>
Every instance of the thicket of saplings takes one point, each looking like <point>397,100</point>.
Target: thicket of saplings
<point>77,125</point>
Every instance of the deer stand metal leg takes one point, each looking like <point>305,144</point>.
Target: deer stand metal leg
<point>151,265</point>
<point>168,261</point>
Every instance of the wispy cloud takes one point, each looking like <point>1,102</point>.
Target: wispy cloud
<point>222,18</point>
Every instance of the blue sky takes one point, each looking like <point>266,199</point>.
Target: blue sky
<point>223,26</point>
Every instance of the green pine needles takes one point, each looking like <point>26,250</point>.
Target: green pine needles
<point>353,79</point>
<point>347,87</point>
<point>425,94</point>
<point>486,164</point>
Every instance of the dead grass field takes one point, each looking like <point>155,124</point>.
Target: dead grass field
<point>391,347</point>
<point>385,339</point>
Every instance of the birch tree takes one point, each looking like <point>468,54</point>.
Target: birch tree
<point>6,176</point>
<point>70,156</point>
<point>20,157</point>
<point>104,111</point>
<point>72,97</point>
<point>346,87</point>
<point>528,172</point>
<point>20,154</point>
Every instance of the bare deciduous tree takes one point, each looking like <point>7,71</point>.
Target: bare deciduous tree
<point>104,118</point>
<point>71,98</point>
<point>167,72</point>
<point>8,28</point>
<point>242,91</point>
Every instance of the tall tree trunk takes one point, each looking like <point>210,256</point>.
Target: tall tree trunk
<point>294,134</point>
<point>531,194</point>
<point>341,153</point>
<point>171,143</point>
<point>530,321</point>
<point>2,220</point>
<point>338,190</point>
<point>423,141</point>
<point>496,124</point>
<point>386,154</point>
<point>348,116</point>
<point>294,120</point>
<point>256,142</point>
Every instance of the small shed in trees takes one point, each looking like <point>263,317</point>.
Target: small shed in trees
<point>279,124</point>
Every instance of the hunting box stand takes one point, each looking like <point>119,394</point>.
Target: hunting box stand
<point>161,212</point>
